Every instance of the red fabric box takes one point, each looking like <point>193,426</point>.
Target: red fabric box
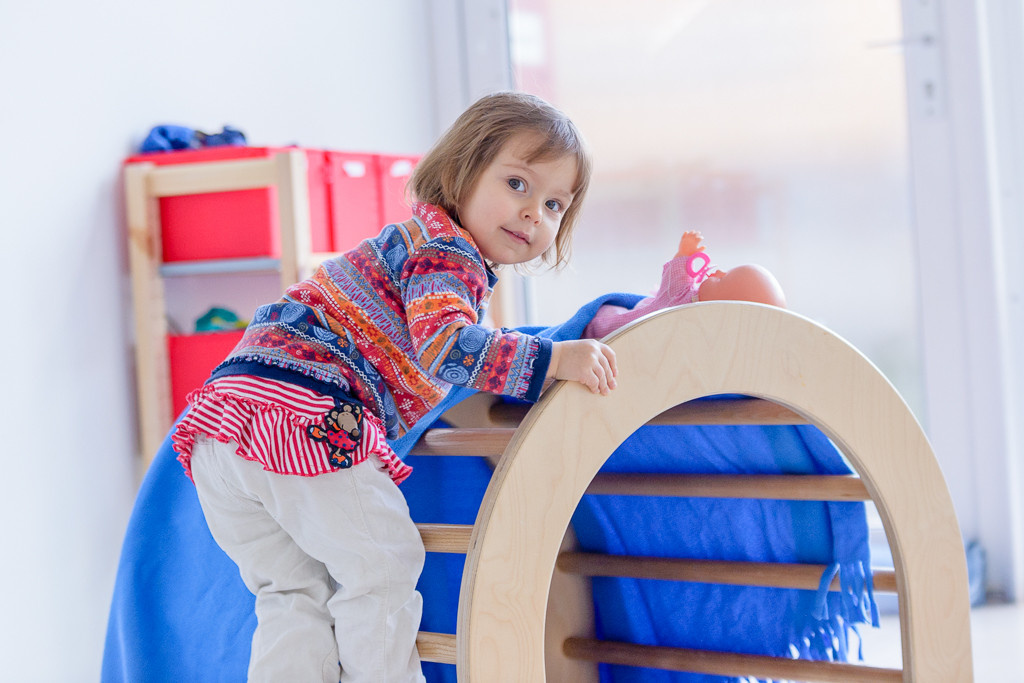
<point>192,358</point>
<point>353,184</point>
<point>394,174</point>
<point>239,224</point>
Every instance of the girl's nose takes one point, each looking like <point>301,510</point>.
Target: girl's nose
<point>531,212</point>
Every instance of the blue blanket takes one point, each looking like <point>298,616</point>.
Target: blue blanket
<point>180,611</point>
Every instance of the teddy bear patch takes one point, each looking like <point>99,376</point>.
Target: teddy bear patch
<point>341,430</point>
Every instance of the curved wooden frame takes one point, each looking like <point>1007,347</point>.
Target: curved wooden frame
<point>671,357</point>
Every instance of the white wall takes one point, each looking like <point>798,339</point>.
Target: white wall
<point>80,85</point>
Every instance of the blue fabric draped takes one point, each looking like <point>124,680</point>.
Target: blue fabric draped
<point>180,611</point>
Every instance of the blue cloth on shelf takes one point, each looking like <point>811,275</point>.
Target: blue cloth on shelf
<point>181,612</point>
<point>170,137</point>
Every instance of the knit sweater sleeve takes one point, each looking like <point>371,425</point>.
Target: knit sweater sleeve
<point>444,288</point>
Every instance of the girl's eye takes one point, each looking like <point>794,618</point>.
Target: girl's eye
<point>554,205</point>
<point>517,184</point>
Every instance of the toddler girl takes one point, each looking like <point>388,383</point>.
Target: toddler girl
<point>287,442</point>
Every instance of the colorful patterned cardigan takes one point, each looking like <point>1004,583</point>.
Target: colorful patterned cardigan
<point>394,323</point>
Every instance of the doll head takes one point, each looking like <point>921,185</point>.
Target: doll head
<point>743,283</point>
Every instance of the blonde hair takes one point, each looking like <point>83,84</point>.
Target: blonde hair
<point>448,173</point>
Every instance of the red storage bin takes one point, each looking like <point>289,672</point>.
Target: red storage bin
<point>192,358</point>
<point>239,224</point>
<point>394,174</point>
<point>353,186</point>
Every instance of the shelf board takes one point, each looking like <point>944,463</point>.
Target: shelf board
<point>235,265</point>
<point>220,266</point>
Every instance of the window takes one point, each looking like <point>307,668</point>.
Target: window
<point>776,129</point>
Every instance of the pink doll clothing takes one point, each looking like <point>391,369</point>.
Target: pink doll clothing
<point>677,287</point>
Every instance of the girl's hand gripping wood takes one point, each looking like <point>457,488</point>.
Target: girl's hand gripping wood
<point>586,361</point>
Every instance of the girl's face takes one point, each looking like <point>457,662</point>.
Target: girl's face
<point>516,207</point>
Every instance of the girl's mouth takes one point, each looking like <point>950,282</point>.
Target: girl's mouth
<point>517,235</point>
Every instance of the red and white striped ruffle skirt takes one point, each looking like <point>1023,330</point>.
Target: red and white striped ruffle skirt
<point>269,420</point>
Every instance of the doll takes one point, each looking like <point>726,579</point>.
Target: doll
<point>688,278</point>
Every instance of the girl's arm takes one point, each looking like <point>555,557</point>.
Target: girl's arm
<point>586,361</point>
<point>443,286</point>
<point>442,292</point>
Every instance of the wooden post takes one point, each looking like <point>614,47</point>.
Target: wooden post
<point>293,216</point>
<point>152,368</point>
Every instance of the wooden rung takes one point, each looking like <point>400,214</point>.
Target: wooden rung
<point>728,411</point>
<point>446,538</point>
<point>481,441</point>
<point>492,441</point>
<point>757,486</point>
<point>724,663</point>
<point>211,176</point>
<point>436,647</point>
<point>765,574</point>
<point>709,411</point>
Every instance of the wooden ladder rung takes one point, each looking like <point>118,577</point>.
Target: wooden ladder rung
<point>436,647</point>
<point>729,411</point>
<point>757,486</point>
<point>446,538</point>
<point>480,441</point>
<point>712,411</point>
<point>724,663</point>
<point>764,574</point>
<point>492,441</point>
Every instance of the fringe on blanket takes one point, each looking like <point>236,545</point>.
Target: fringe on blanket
<point>825,634</point>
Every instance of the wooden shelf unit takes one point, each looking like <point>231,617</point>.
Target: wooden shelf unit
<point>144,184</point>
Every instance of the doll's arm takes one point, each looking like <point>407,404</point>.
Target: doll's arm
<point>690,243</point>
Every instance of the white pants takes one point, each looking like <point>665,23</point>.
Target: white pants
<point>333,561</point>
